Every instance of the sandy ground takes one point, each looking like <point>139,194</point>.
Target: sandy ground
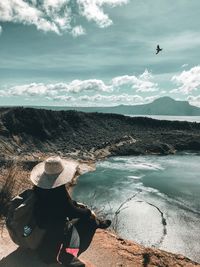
<point>106,250</point>
<point>12,256</point>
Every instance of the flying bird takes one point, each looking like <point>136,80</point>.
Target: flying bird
<point>158,49</point>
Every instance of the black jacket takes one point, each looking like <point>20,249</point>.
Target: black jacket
<point>54,205</point>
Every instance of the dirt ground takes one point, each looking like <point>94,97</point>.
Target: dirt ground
<point>106,250</point>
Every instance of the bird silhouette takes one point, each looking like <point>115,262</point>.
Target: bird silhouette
<point>158,49</point>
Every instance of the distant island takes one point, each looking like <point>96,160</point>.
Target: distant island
<point>161,106</point>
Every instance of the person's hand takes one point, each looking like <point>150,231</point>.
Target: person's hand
<point>93,215</point>
<point>81,205</point>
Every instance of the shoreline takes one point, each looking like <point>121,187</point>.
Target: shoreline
<point>163,222</point>
<point>118,243</point>
<point>89,138</point>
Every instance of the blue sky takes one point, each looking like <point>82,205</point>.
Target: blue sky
<point>98,52</point>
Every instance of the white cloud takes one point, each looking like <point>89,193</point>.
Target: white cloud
<point>20,11</point>
<point>194,100</point>
<point>33,89</point>
<point>124,98</point>
<point>93,10</point>
<point>110,100</point>
<point>62,98</point>
<point>57,15</point>
<point>77,31</point>
<point>146,75</point>
<point>136,84</point>
<point>142,83</point>
<point>188,81</point>
<point>101,100</point>
<point>77,86</point>
<point>55,93</point>
<point>41,89</point>
<point>149,99</point>
<point>96,91</point>
<point>184,65</point>
<point>2,93</point>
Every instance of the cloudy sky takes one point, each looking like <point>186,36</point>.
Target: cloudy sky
<point>98,52</point>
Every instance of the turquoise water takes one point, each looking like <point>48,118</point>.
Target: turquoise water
<point>154,190</point>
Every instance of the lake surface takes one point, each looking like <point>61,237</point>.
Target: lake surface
<point>170,118</point>
<point>161,196</point>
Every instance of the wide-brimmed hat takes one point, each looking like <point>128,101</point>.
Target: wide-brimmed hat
<point>53,172</point>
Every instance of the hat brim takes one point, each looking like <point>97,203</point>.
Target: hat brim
<point>48,181</point>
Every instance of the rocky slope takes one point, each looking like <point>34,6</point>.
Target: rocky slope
<point>25,131</point>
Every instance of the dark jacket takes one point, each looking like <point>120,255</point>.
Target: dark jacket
<point>51,210</point>
<point>54,205</point>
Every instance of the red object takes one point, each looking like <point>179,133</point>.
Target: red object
<point>73,251</point>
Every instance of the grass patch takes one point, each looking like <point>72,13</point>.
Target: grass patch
<point>6,191</point>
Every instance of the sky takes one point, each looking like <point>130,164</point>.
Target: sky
<point>98,52</point>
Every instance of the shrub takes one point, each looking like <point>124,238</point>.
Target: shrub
<point>6,192</point>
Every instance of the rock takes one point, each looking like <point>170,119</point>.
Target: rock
<point>44,131</point>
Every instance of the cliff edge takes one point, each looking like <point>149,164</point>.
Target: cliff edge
<point>106,250</point>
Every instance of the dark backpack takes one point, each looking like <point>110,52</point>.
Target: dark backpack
<point>21,222</point>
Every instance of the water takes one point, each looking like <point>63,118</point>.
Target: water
<point>170,118</point>
<point>162,189</point>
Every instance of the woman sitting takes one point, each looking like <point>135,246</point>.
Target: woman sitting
<point>54,208</point>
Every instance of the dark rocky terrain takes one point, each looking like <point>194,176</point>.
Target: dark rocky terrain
<point>24,131</point>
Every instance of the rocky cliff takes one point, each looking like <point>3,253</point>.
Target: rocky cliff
<point>24,131</point>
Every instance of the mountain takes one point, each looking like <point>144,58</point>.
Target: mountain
<point>161,106</point>
<point>164,106</point>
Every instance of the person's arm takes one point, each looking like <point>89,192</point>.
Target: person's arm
<point>83,206</point>
<point>79,204</point>
<point>74,211</point>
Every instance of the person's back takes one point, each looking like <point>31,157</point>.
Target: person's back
<point>55,205</point>
<point>53,210</point>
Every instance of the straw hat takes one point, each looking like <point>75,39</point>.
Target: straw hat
<point>53,172</point>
